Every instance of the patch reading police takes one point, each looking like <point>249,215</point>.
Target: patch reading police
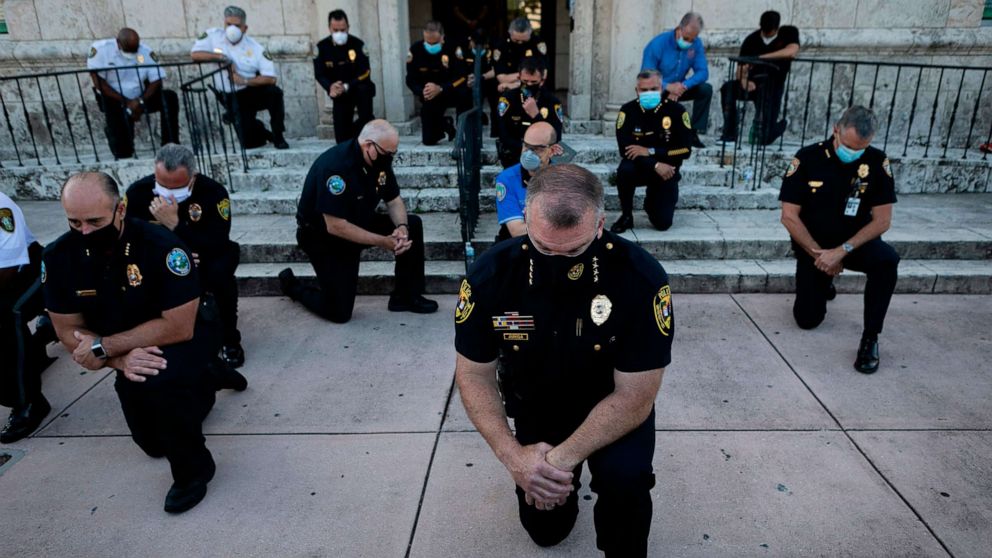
<point>133,275</point>
<point>500,191</point>
<point>153,56</point>
<point>465,305</point>
<point>793,167</point>
<point>863,171</point>
<point>7,220</point>
<point>513,321</point>
<point>887,167</point>
<point>224,208</point>
<point>620,119</point>
<point>559,112</point>
<point>178,262</point>
<point>195,212</point>
<point>600,309</point>
<point>503,105</point>
<point>92,52</point>
<point>666,122</point>
<point>686,121</point>
<point>663,310</point>
<point>335,185</point>
<point>576,271</point>
<point>202,36</point>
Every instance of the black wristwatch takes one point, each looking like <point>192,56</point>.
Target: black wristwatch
<point>98,350</point>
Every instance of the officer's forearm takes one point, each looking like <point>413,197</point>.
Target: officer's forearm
<point>799,233</point>
<point>397,212</point>
<point>480,396</point>
<point>259,81</point>
<point>175,326</point>
<point>107,91</point>
<point>152,89</point>
<point>205,56</point>
<point>880,222</point>
<point>351,232</point>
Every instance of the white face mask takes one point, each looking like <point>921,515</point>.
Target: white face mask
<point>340,37</point>
<point>181,194</point>
<point>768,40</point>
<point>233,34</point>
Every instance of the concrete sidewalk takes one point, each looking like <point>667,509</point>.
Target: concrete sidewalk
<point>351,441</point>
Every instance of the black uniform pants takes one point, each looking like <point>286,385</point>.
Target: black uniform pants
<point>120,128</point>
<point>165,413</point>
<point>217,277</point>
<point>509,149</point>
<point>491,93</point>
<point>336,264</point>
<point>345,125</point>
<point>876,259</point>
<point>622,478</point>
<point>13,378</point>
<point>701,96</point>
<point>432,112</point>
<point>660,198</point>
<point>249,102</point>
<point>767,98</point>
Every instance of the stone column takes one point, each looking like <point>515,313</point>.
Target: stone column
<point>394,28</point>
<point>631,27</point>
<point>581,56</point>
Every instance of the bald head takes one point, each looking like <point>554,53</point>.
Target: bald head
<point>90,201</point>
<point>381,132</point>
<point>541,133</point>
<point>128,40</point>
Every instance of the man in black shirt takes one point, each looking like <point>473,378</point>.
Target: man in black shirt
<point>123,294</point>
<point>837,199</point>
<point>437,75</point>
<point>762,83</point>
<point>337,219</point>
<point>342,69</point>
<point>577,326</point>
<point>510,51</point>
<point>521,107</point>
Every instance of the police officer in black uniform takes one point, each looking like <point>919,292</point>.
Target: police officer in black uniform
<point>437,75</point>
<point>578,325</point>
<point>342,68</point>
<point>337,220</point>
<point>123,294</point>
<point>509,52</point>
<point>837,199</point>
<point>521,107</point>
<point>654,136</point>
<point>198,210</point>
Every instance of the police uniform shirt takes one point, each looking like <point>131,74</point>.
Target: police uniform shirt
<point>507,54</point>
<point>666,129</point>
<point>446,69</point>
<point>347,63</point>
<point>560,326</point>
<point>836,199</point>
<point>15,236</point>
<point>148,272</point>
<point>339,184</point>
<point>249,57</point>
<point>754,46</point>
<point>511,193</point>
<point>516,120</point>
<point>128,83</point>
<point>204,217</point>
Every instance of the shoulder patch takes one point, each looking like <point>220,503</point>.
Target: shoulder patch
<point>793,167</point>
<point>44,272</point>
<point>887,167</point>
<point>409,56</point>
<point>500,191</point>
<point>496,54</point>
<point>202,36</point>
<point>458,53</point>
<point>465,305</point>
<point>178,262</point>
<point>503,105</point>
<point>335,185</point>
<point>663,310</point>
<point>686,121</point>
<point>266,55</point>
<point>365,51</point>
<point>7,220</point>
<point>224,208</point>
<point>92,52</point>
<point>153,55</point>
<point>621,117</point>
<point>542,48</point>
<point>559,112</point>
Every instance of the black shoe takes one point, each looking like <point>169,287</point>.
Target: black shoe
<point>416,304</point>
<point>624,223</point>
<point>279,142</point>
<point>44,331</point>
<point>233,355</point>
<point>831,292</point>
<point>867,362</point>
<point>224,376</point>
<point>287,282</point>
<point>25,420</point>
<point>696,142</point>
<point>449,127</point>
<point>184,498</point>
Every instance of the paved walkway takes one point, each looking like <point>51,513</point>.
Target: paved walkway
<point>350,442</point>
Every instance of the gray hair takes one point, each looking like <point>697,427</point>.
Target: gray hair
<point>172,156</point>
<point>691,17</point>
<point>862,119</point>
<point>648,74</point>
<point>521,25</point>
<point>377,130</point>
<point>234,11</point>
<point>571,192</point>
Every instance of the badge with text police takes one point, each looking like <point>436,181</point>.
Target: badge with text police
<point>178,262</point>
<point>133,275</point>
<point>7,220</point>
<point>663,310</point>
<point>195,212</point>
<point>465,305</point>
<point>601,309</point>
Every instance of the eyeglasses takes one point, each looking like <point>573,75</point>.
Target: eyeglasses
<point>536,148</point>
<point>382,151</point>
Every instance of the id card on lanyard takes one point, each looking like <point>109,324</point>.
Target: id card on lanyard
<point>854,200</point>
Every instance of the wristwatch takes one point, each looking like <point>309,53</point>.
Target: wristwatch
<point>98,350</point>
<point>847,247</point>
<point>651,151</point>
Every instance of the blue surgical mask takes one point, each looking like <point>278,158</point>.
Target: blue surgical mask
<point>649,99</point>
<point>683,44</point>
<point>530,161</point>
<point>848,155</point>
<point>432,48</point>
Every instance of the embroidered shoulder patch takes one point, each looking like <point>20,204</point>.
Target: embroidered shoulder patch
<point>887,167</point>
<point>500,191</point>
<point>503,105</point>
<point>465,305</point>
<point>335,185</point>
<point>663,310</point>
<point>793,167</point>
<point>7,220</point>
<point>686,121</point>
<point>224,208</point>
<point>178,262</point>
<point>620,119</point>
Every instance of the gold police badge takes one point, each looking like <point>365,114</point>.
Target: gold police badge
<point>141,59</point>
<point>600,310</point>
<point>465,305</point>
<point>863,171</point>
<point>666,122</point>
<point>352,55</point>
<point>663,310</point>
<point>444,60</point>
<point>382,178</point>
<point>576,271</point>
<point>544,112</point>
<point>133,275</point>
<point>195,212</point>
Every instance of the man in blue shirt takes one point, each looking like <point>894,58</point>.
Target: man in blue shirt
<point>539,146</point>
<point>673,54</point>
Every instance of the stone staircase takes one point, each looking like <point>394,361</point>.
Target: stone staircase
<point>724,239</point>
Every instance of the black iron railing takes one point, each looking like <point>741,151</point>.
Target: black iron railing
<point>211,117</point>
<point>924,110</point>
<point>468,156</point>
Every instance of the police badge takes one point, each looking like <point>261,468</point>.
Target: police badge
<point>133,275</point>
<point>600,309</point>
<point>195,212</point>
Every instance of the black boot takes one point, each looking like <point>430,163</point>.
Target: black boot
<point>186,497</point>
<point>25,420</point>
<point>416,304</point>
<point>287,282</point>
<point>449,127</point>
<point>867,361</point>
<point>624,223</point>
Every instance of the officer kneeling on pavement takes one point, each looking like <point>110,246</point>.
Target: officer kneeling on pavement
<point>837,199</point>
<point>123,294</point>
<point>654,137</point>
<point>539,146</point>
<point>577,325</point>
<point>337,219</point>
<point>198,209</point>
<point>436,73</point>
<point>520,108</point>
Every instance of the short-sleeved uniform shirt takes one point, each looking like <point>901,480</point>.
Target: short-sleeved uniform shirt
<point>561,326</point>
<point>506,54</point>
<point>249,57</point>
<point>339,184</point>
<point>824,187</point>
<point>511,194</point>
<point>132,82</point>
<point>148,272</point>
<point>15,236</point>
<point>665,128</point>
<point>514,120</point>
<point>447,68</point>
<point>204,217</point>
<point>755,46</point>
<point>347,63</point>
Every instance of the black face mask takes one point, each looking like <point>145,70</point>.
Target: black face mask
<point>383,160</point>
<point>530,90</point>
<point>566,270</point>
<point>100,241</point>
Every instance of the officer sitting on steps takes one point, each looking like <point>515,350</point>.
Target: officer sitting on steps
<point>837,199</point>
<point>654,138</point>
<point>539,146</point>
<point>337,219</point>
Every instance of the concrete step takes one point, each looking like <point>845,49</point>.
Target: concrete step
<point>686,276</point>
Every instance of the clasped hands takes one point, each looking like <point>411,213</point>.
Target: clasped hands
<point>545,480</point>
<point>136,364</point>
<point>397,242</point>
<point>830,261</point>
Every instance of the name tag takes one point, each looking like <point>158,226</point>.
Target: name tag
<point>851,210</point>
<point>86,292</point>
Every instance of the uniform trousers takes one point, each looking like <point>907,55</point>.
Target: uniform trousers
<point>876,259</point>
<point>217,277</point>
<point>335,262</point>
<point>622,478</point>
<point>120,128</point>
<point>701,96</point>
<point>432,112</point>
<point>249,102</point>
<point>358,97</point>
<point>660,198</point>
<point>12,378</point>
<point>767,98</point>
